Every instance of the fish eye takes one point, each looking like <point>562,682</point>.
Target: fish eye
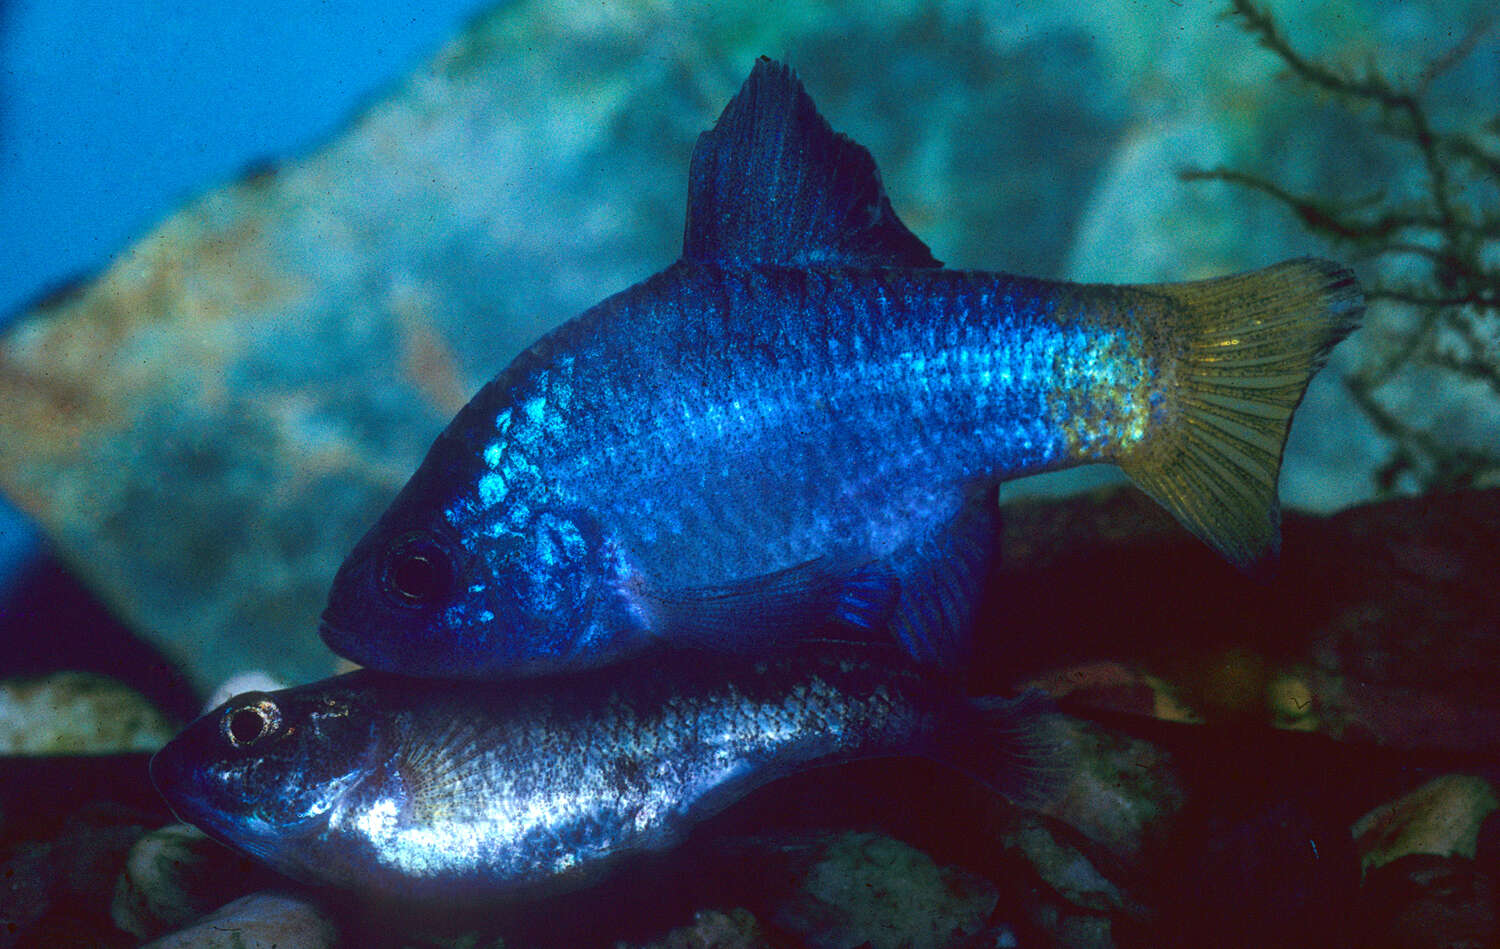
<point>250,720</point>
<point>417,571</point>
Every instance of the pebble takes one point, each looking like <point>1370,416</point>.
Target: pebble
<point>1441,818</point>
<point>175,874</point>
<point>871,890</point>
<point>265,920</point>
<point>75,713</point>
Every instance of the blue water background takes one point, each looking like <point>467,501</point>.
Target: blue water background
<point>111,115</point>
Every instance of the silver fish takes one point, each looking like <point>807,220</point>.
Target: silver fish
<point>435,791</point>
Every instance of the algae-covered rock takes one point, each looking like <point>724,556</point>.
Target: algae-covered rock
<point>869,890</point>
<point>713,929</point>
<point>175,874</point>
<point>1121,793</point>
<point>70,713</point>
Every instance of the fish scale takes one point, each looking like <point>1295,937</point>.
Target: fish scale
<point>945,430</point>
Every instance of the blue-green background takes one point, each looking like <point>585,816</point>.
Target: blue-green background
<point>113,114</point>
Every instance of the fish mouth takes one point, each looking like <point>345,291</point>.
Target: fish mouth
<point>168,775</point>
<point>172,774</point>
<point>181,787</point>
<point>340,640</point>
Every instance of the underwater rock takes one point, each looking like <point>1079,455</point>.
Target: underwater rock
<point>54,890</point>
<point>175,874</point>
<point>1378,625</point>
<point>1122,791</point>
<point>870,890</point>
<point>265,920</point>
<point>1442,817</point>
<point>206,428</point>
<point>713,929</point>
<point>70,713</point>
<point>1422,901</point>
<point>1069,871</point>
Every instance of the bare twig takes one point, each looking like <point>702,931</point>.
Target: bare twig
<point>1459,299</point>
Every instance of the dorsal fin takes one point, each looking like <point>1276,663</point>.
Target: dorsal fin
<point>771,183</point>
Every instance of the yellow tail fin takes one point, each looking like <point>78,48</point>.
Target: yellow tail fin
<point>1250,343</point>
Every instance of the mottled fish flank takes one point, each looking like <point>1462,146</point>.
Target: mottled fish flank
<point>421,789</point>
<point>802,422</point>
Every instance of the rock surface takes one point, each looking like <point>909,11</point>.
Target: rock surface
<point>173,875</point>
<point>869,890</point>
<point>1442,817</point>
<point>266,920</point>
<point>70,713</point>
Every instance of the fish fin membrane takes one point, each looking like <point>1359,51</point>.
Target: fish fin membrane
<point>443,766</point>
<point>771,183</point>
<point>941,579</point>
<point>1016,746</point>
<point>1250,343</point>
<point>808,602</point>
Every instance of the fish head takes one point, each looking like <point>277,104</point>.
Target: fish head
<point>264,771</point>
<point>459,579</point>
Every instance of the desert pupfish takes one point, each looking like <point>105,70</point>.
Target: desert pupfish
<point>803,419</point>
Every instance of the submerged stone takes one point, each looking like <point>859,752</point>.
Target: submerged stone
<point>266,920</point>
<point>71,713</point>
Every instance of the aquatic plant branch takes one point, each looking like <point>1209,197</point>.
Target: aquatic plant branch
<point>1395,104</point>
<point>1446,316</point>
<point>1454,56</point>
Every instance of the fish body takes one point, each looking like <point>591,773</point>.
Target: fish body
<point>431,790</point>
<point>803,420</point>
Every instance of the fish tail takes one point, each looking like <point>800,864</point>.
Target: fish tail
<point>1250,343</point>
<point>1015,746</point>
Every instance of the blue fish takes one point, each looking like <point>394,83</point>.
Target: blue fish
<point>799,426</point>
<point>442,791</point>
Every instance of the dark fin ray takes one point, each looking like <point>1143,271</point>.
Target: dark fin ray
<point>941,576</point>
<point>1250,345</point>
<point>772,183</point>
<point>808,602</point>
<point>1015,746</point>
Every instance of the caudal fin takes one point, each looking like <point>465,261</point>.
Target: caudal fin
<point>1250,343</point>
<point>1016,746</point>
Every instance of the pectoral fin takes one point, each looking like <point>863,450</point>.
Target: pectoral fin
<point>811,601</point>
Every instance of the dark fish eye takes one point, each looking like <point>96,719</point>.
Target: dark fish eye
<point>251,720</point>
<point>417,571</point>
